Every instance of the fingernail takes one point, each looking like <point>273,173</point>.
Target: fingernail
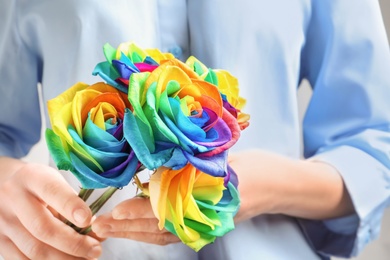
<point>100,229</point>
<point>95,252</point>
<point>80,215</point>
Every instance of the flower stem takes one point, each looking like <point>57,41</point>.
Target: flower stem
<point>97,205</point>
<point>85,193</point>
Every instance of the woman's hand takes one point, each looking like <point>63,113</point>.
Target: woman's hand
<point>133,219</point>
<point>34,197</point>
<point>272,183</point>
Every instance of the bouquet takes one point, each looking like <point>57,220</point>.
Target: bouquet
<point>154,112</point>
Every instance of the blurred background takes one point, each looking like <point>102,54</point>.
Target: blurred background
<point>379,249</point>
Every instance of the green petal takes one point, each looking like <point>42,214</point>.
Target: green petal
<point>57,151</point>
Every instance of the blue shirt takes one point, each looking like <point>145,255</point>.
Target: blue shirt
<point>340,47</point>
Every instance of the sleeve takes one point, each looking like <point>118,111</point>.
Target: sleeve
<point>20,119</point>
<point>346,59</point>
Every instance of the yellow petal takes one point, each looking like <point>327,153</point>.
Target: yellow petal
<point>80,100</point>
<point>54,105</point>
<point>159,56</point>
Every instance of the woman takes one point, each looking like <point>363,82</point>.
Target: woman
<point>328,204</point>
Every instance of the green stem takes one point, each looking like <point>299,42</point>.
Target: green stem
<point>85,193</point>
<point>97,205</point>
<point>85,231</point>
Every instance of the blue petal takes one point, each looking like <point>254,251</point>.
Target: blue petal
<point>107,160</point>
<point>128,62</point>
<point>177,161</point>
<point>186,143</point>
<point>109,74</point>
<point>200,121</point>
<point>92,180</point>
<point>101,140</point>
<point>134,137</point>
<point>215,165</point>
<point>123,69</point>
<point>149,60</point>
<point>185,125</point>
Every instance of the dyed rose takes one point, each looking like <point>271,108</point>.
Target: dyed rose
<point>127,59</point>
<point>179,118</point>
<point>227,85</point>
<point>87,135</point>
<point>194,206</point>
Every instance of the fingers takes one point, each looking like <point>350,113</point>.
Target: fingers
<point>162,239</point>
<point>34,197</point>
<point>25,246</point>
<point>106,223</point>
<point>143,230</point>
<point>54,191</point>
<point>133,208</point>
<point>36,218</point>
<point>8,250</point>
<point>18,243</point>
<point>133,219</point>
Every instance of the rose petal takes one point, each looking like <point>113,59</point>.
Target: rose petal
<point>145,67</point>
<point>187,203</point>
<point>97,138</point>
<point>235,130</point>
<point>58,151</point>
<point>223,133</point>
<point>108,73</point>
<point>137,82</point>
<point>106,160</point>
<point>92,180</point>
<point>231,176</point>
<point>214,165</point>
<point>186,143</point>
<point>177,160</point>
<point>60,127</point>
<point>159,128</point>
<point>134,131</point>
<point>124,69</point>
<point>120,168</point>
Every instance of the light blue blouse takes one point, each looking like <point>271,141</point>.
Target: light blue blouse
<point>340,47</point>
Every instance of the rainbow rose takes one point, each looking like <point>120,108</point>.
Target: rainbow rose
<point>87,135</point>
<point>155,112</point>
<point>193,205</point>
<point>127,59</point>
<point>178,118</point>
<point>227,85</point>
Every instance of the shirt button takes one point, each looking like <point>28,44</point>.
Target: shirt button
<point>176,51</point>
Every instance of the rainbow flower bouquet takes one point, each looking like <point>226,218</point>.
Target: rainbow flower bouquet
<point>176,119</point>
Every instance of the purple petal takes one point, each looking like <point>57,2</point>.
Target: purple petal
<point>117,170</point>
<point>213,117</point>
<point>123,69</point>
<point>231,176</point>
<point>232,110</point>
<point>224,135</point>
<point>213,165</point>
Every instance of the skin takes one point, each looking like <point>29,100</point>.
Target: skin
<point>33,198</point>
<point>299,188</point>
